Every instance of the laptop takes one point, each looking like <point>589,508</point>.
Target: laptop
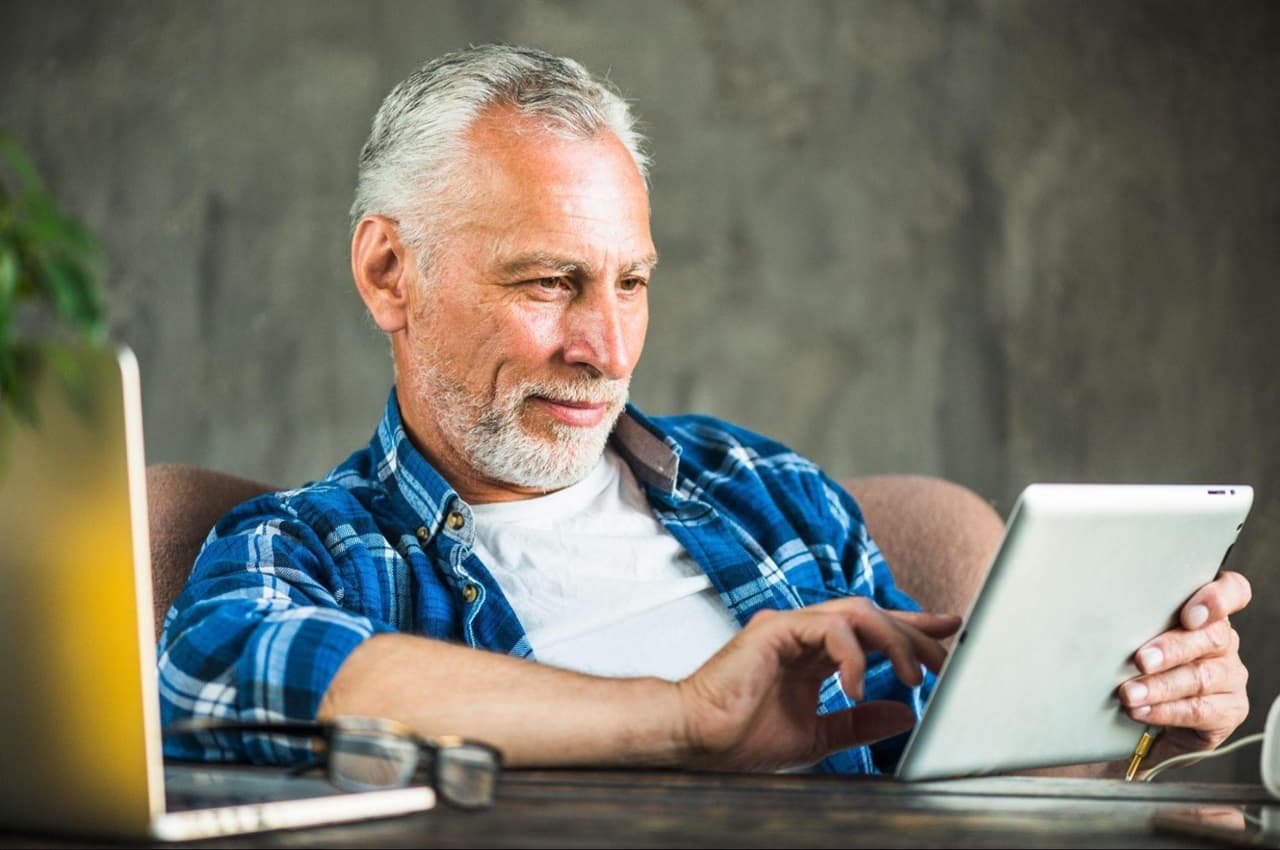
<point>80,743</point>
<point>1085,575</point>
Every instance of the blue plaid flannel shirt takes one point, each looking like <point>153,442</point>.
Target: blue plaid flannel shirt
<point>289,583</point>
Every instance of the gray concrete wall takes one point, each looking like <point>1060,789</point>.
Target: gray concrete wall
<point>998,242</point>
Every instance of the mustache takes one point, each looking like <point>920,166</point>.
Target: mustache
<point>582,391</point>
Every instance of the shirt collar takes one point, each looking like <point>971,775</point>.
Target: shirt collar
<point>402,469</point>
<point>653,456</point>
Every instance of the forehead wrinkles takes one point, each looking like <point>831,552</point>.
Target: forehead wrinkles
<point>528,190</point>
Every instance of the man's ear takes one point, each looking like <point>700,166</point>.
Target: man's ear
<point>383,271</point>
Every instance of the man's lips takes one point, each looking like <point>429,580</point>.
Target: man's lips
<point>584,414</point>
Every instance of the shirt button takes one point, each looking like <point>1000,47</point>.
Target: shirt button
<point>469,593</point>
<point>456,520</point>
<point>422,534</point>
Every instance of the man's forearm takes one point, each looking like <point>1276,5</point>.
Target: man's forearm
<point>536,714</point>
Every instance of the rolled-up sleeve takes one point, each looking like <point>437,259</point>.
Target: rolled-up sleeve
<point>258,634</point>
<point>869,575</point>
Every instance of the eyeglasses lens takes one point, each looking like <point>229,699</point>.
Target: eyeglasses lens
<point>367,761</point>
<point>467,775</point>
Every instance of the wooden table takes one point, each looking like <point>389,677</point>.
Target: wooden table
<point>612,808</point>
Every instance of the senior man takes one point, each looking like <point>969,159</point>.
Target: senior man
<point>521,557</point>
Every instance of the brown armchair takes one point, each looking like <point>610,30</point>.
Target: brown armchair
<point>938,537</point>
<point>183,503</point>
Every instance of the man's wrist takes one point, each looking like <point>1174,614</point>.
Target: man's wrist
<point>658,737</point>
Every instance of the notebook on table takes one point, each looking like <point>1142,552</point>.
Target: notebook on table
<point>80,744</point>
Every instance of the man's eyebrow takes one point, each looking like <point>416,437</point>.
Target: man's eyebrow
<point>645,264</point>
<point>542,261</point>
<point>539,261</point>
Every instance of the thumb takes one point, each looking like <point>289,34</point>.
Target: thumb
<point>865,724</point>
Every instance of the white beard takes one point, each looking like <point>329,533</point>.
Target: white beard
<point>492,436</point>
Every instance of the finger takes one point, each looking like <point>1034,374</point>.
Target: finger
<point>1213,675</point>
<point>1178,646</point>
<point>822,640</point>
<point>1217,600</point>
<point>906,647</point>
<point>1205,714</point>
<point>927,621</point>
<point>844,649</point>
<point>934,625</point>
<point>849,636</point>
<point>865,723</point>
<point>848,632</point>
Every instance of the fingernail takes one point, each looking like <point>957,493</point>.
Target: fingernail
<point>1149,659</point>
<point>1135,692</point>
<point>1141,711</point>
<point>1197,616</point>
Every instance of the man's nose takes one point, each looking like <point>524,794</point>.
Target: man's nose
<point>598,335</point>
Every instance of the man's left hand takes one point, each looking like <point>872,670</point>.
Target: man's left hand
<point>1192,681</point>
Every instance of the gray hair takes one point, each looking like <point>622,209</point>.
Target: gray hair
<point>408,165</point>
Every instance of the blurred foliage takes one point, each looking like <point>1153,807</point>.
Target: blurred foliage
<point>47,280</point>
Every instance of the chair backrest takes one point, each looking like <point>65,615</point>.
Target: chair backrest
<point>183,503</point>
<point>938,537</point>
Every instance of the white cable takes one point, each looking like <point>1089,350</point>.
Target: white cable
<point>1186,757</point>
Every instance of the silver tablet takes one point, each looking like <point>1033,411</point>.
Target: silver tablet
<point>1085,575</point>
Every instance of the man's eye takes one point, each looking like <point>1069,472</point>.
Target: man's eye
<point>550,284</point>
<point>631,284</point>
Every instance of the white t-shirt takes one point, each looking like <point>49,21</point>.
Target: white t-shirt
<point>599,584</point>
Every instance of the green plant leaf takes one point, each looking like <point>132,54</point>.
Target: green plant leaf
<point>21,164</point>
<point>8,275</point>
<point>40,222</point>
<point>40,219</point>
<point>74,297</point>
<point>19,369</point>
<point>9,291</point>
<point>29,285</point>
<point>46,258</point>
<point>74,238</point>
<point>68,365</point>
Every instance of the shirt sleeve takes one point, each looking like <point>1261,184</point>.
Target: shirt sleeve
<point>257,634</point>
<point>869,575</point>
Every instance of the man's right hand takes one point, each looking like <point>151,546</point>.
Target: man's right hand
<point>753,705</point>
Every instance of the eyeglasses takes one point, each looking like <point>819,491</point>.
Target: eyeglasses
<point>372,753</point>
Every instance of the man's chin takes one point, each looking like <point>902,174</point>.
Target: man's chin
<point>535,451</point>
<point>565,454</point>
<point>566,442</point>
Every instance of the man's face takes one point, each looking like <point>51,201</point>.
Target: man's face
<point>520,346</point>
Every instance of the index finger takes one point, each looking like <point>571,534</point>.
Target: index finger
<point>1220,598</point>
<point>934,625</point>
<point>898,634</point>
